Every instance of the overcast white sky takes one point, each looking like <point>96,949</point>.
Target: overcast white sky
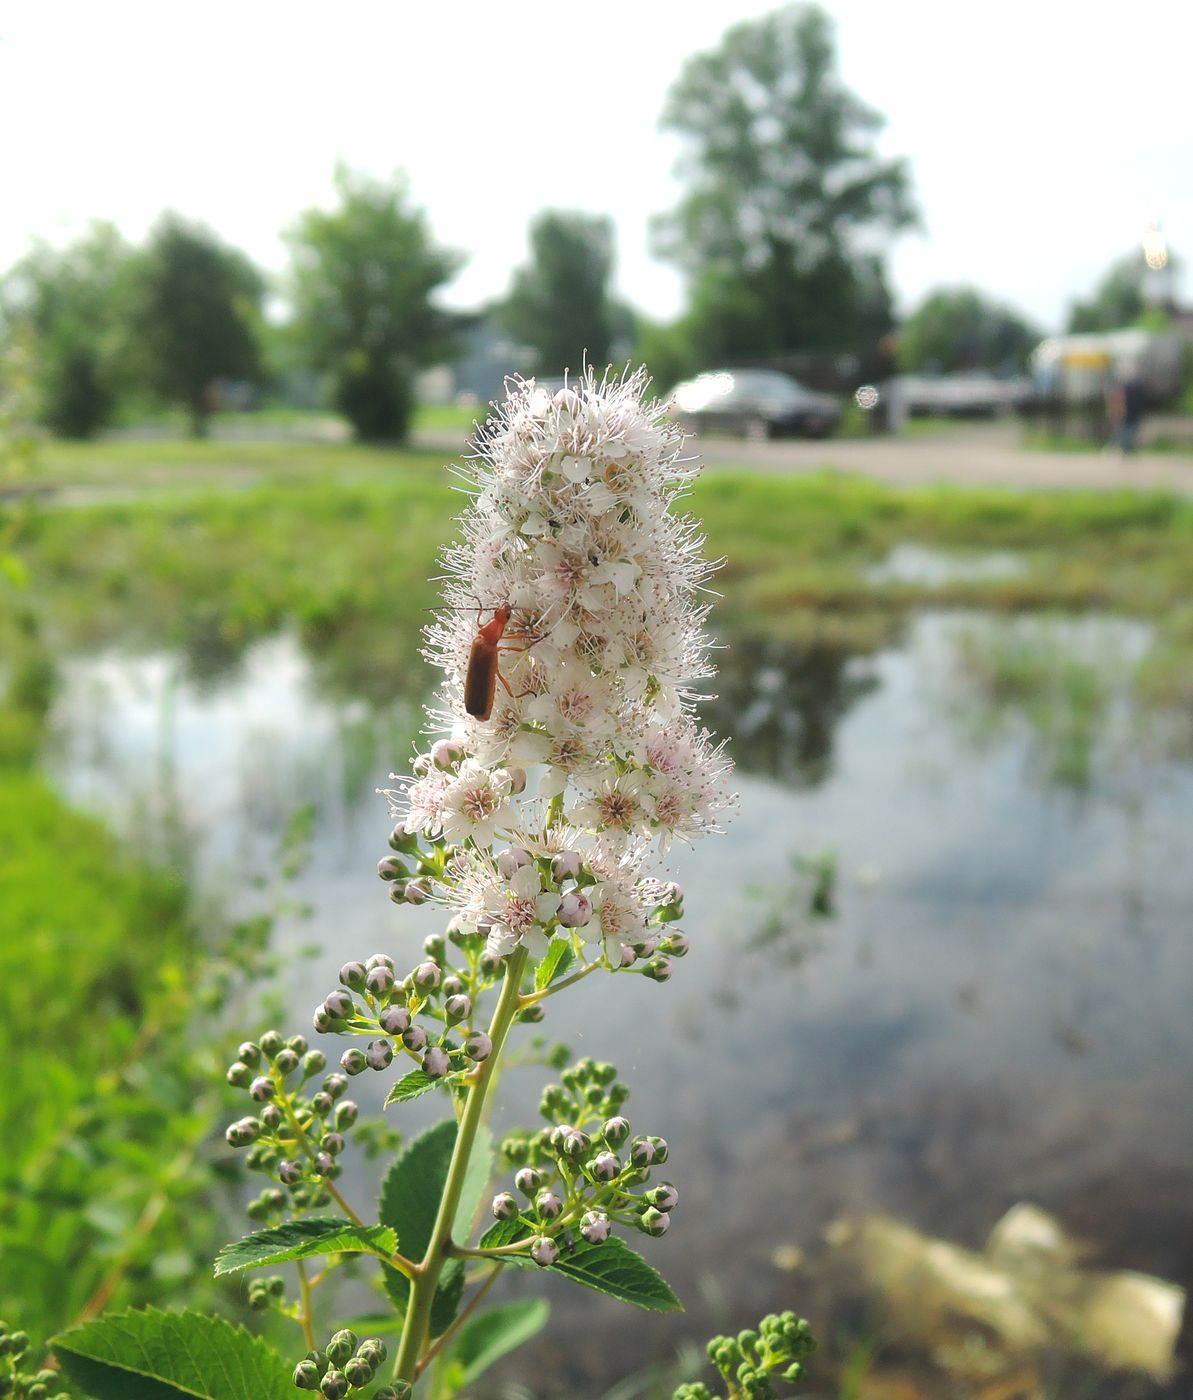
<point>1043,135</point>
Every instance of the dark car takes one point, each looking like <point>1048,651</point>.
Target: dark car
<point>759,403</point>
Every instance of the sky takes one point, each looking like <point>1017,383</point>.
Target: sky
<point>1043,137</point>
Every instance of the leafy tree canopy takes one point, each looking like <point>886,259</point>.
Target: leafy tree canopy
<point>198,314</point>
<point>957,328</point>
<point>1117,301</point>
<point>364,275</point>
<point>73,303</point>
<point>559,303</point>
<point>787,197</point>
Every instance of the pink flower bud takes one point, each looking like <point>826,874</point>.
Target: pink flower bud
<point>675,944</point>
<point>395,1020</point>
<point>504,1207</point>
<point>605,1167</point>
<point>659,969</point>
<point>641,1152</point>
<point>574,911</point>
<point>457,1007</point>
<point>478,1046</point>
<point>664,1196</point>
<point>548,1205</point>
<point>416,892</point>
<point>436,1062</point>
<point>511,861</point>
<point>543,1251</point>
<point>445,754</point>
<point>567,865</point>
<point>654,1222</point>
<point>626,956</point>
<point>426,975</point>
<point>594,1226</point>
<point>528,1181</point>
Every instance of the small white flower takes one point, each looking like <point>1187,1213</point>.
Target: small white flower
<point>475,803</point>
<point>519,910</point>
<point>615,806</point>
<point>617,916</point>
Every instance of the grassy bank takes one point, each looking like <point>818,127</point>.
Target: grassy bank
<point>341,545</point>
<point>109,1002</point>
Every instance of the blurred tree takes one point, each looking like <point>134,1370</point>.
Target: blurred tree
<point>197,308</point>
<point>74,302</point>
<point>559,303</point>
<point>959,328</point>
<point>1116,301</point>
<point>364,274</point>
<point>785,193</point>
<point>667,351</point>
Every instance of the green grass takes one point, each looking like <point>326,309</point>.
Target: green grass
<point>340,541</point>
<point>1071,442</point>
<point>158,462</point>
<point>102,1103</point>
<point>108,1001</point>
<point>448,415</point>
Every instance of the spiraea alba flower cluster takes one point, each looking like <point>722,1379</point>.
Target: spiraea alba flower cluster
<point>547,797</point>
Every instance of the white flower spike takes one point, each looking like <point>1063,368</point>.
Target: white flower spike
<point>589,757</point>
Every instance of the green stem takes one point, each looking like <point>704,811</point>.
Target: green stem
<point>531,997</point>
<point>497,1252</point>
<point>426,1280</point>
<point>307,1319</point>
<point>477,1298</point>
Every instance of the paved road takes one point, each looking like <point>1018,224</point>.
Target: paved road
<point>986,454</point>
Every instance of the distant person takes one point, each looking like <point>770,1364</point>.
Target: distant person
<point>1124,406</point>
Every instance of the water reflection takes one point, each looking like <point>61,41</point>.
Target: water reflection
<point>782,702</point>
<point>923,980</point>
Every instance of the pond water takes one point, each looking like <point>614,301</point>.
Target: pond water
<point>933,973</point>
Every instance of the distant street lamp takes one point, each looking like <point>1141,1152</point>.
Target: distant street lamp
<point>1158,276</point>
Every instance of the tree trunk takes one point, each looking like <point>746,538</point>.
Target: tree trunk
<point>199,414</point>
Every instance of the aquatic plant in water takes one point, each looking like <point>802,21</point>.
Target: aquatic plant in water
<point>563,759</point>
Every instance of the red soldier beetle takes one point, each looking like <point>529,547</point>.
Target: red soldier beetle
<point>483,673</point>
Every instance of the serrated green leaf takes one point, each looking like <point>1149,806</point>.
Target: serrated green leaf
<point>559,957</point>
<point>410,1199</point>
<point>612,1268</point>
<point>446,1303</point>
<point>411,1086</point>
<point>413,1186</point>
<point>154,1355</point>
<point>300,1239</point>
<point>488,1337</point>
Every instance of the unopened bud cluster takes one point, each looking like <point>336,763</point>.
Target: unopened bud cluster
<point>588,1171</point>
<point>18,1383</point>
<point>413,871</point>
<point>264,1293</point>
<point>518,895</point>
<point>751,1362</point>
<point>296,1136</point>
<point>442,990</point>
<point>346,1365</point>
